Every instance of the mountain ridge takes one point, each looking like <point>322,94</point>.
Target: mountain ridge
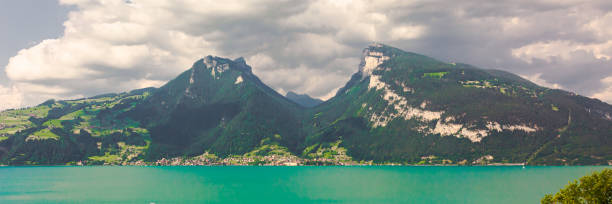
<point>399,107</point>
<point>303,99</point>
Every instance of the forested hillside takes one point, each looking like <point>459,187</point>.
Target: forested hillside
<point>400,107</point>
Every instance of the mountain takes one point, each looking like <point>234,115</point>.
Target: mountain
<point>400,107</point>
<point>218,105</point>
<point>303,99</point>
<point>406,107</point>
<point>60,132</point>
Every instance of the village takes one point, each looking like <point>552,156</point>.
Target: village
<point>269,160</point>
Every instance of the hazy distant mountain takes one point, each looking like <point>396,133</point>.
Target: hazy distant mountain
<point>399,107</point>
<point>303,99</point>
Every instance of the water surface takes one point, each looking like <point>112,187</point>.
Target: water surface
<point>374,184</point>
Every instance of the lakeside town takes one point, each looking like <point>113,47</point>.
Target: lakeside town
<point>292,160</point>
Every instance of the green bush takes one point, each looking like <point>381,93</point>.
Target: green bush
<point>595,188</point>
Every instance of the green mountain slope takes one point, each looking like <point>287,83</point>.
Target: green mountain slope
<point>57,132</point>
<point>217,106</point>
<point>405,107</point>
<point>400,107</point>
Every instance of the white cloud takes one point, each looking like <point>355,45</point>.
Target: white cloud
<point>261,61</point>
<point>600,25</point>
<point>563,50</point>
<point>537,79</point>
<point>44,89</point>
<point>407,32</point>
<point>319,83</point>
<point>10,97</point>
<point>118,45</point>
<point>326,48</point>
<point>107,46</point>
<point>144,83</point>
<point>353,21</point>
<point>311,46</point>
<point>606,93</point>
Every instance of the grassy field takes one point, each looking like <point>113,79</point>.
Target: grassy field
<point>43,134</point>
<point>434,75</point>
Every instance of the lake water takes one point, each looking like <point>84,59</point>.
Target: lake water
<point>373,184</point>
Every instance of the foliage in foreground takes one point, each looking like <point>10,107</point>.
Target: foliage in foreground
<point>594,188</point>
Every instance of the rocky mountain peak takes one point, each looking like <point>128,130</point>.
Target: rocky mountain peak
<point>240,60</point>
<point>219,64</point>
<point>241,64</point>
<point>372,57</point>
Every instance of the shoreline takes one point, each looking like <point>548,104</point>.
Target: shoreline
<point>366,165</point>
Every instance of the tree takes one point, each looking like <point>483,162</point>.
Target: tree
<point>594,188</point>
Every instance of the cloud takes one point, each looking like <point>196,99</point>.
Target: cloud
<point>606,93</point>
<point>407,32</point>
<point>107,46</point>
<point>11,97</point>
<point>562,50</point>
<point>312,46</point>
<point>326,49</point>
<point>537,79</point>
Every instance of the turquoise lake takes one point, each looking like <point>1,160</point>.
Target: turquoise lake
<point>235,184</point>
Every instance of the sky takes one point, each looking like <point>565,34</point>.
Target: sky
<point>77,48</point>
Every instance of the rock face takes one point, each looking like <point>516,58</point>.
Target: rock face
<point>371,60</point>
<point>399,107</point>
